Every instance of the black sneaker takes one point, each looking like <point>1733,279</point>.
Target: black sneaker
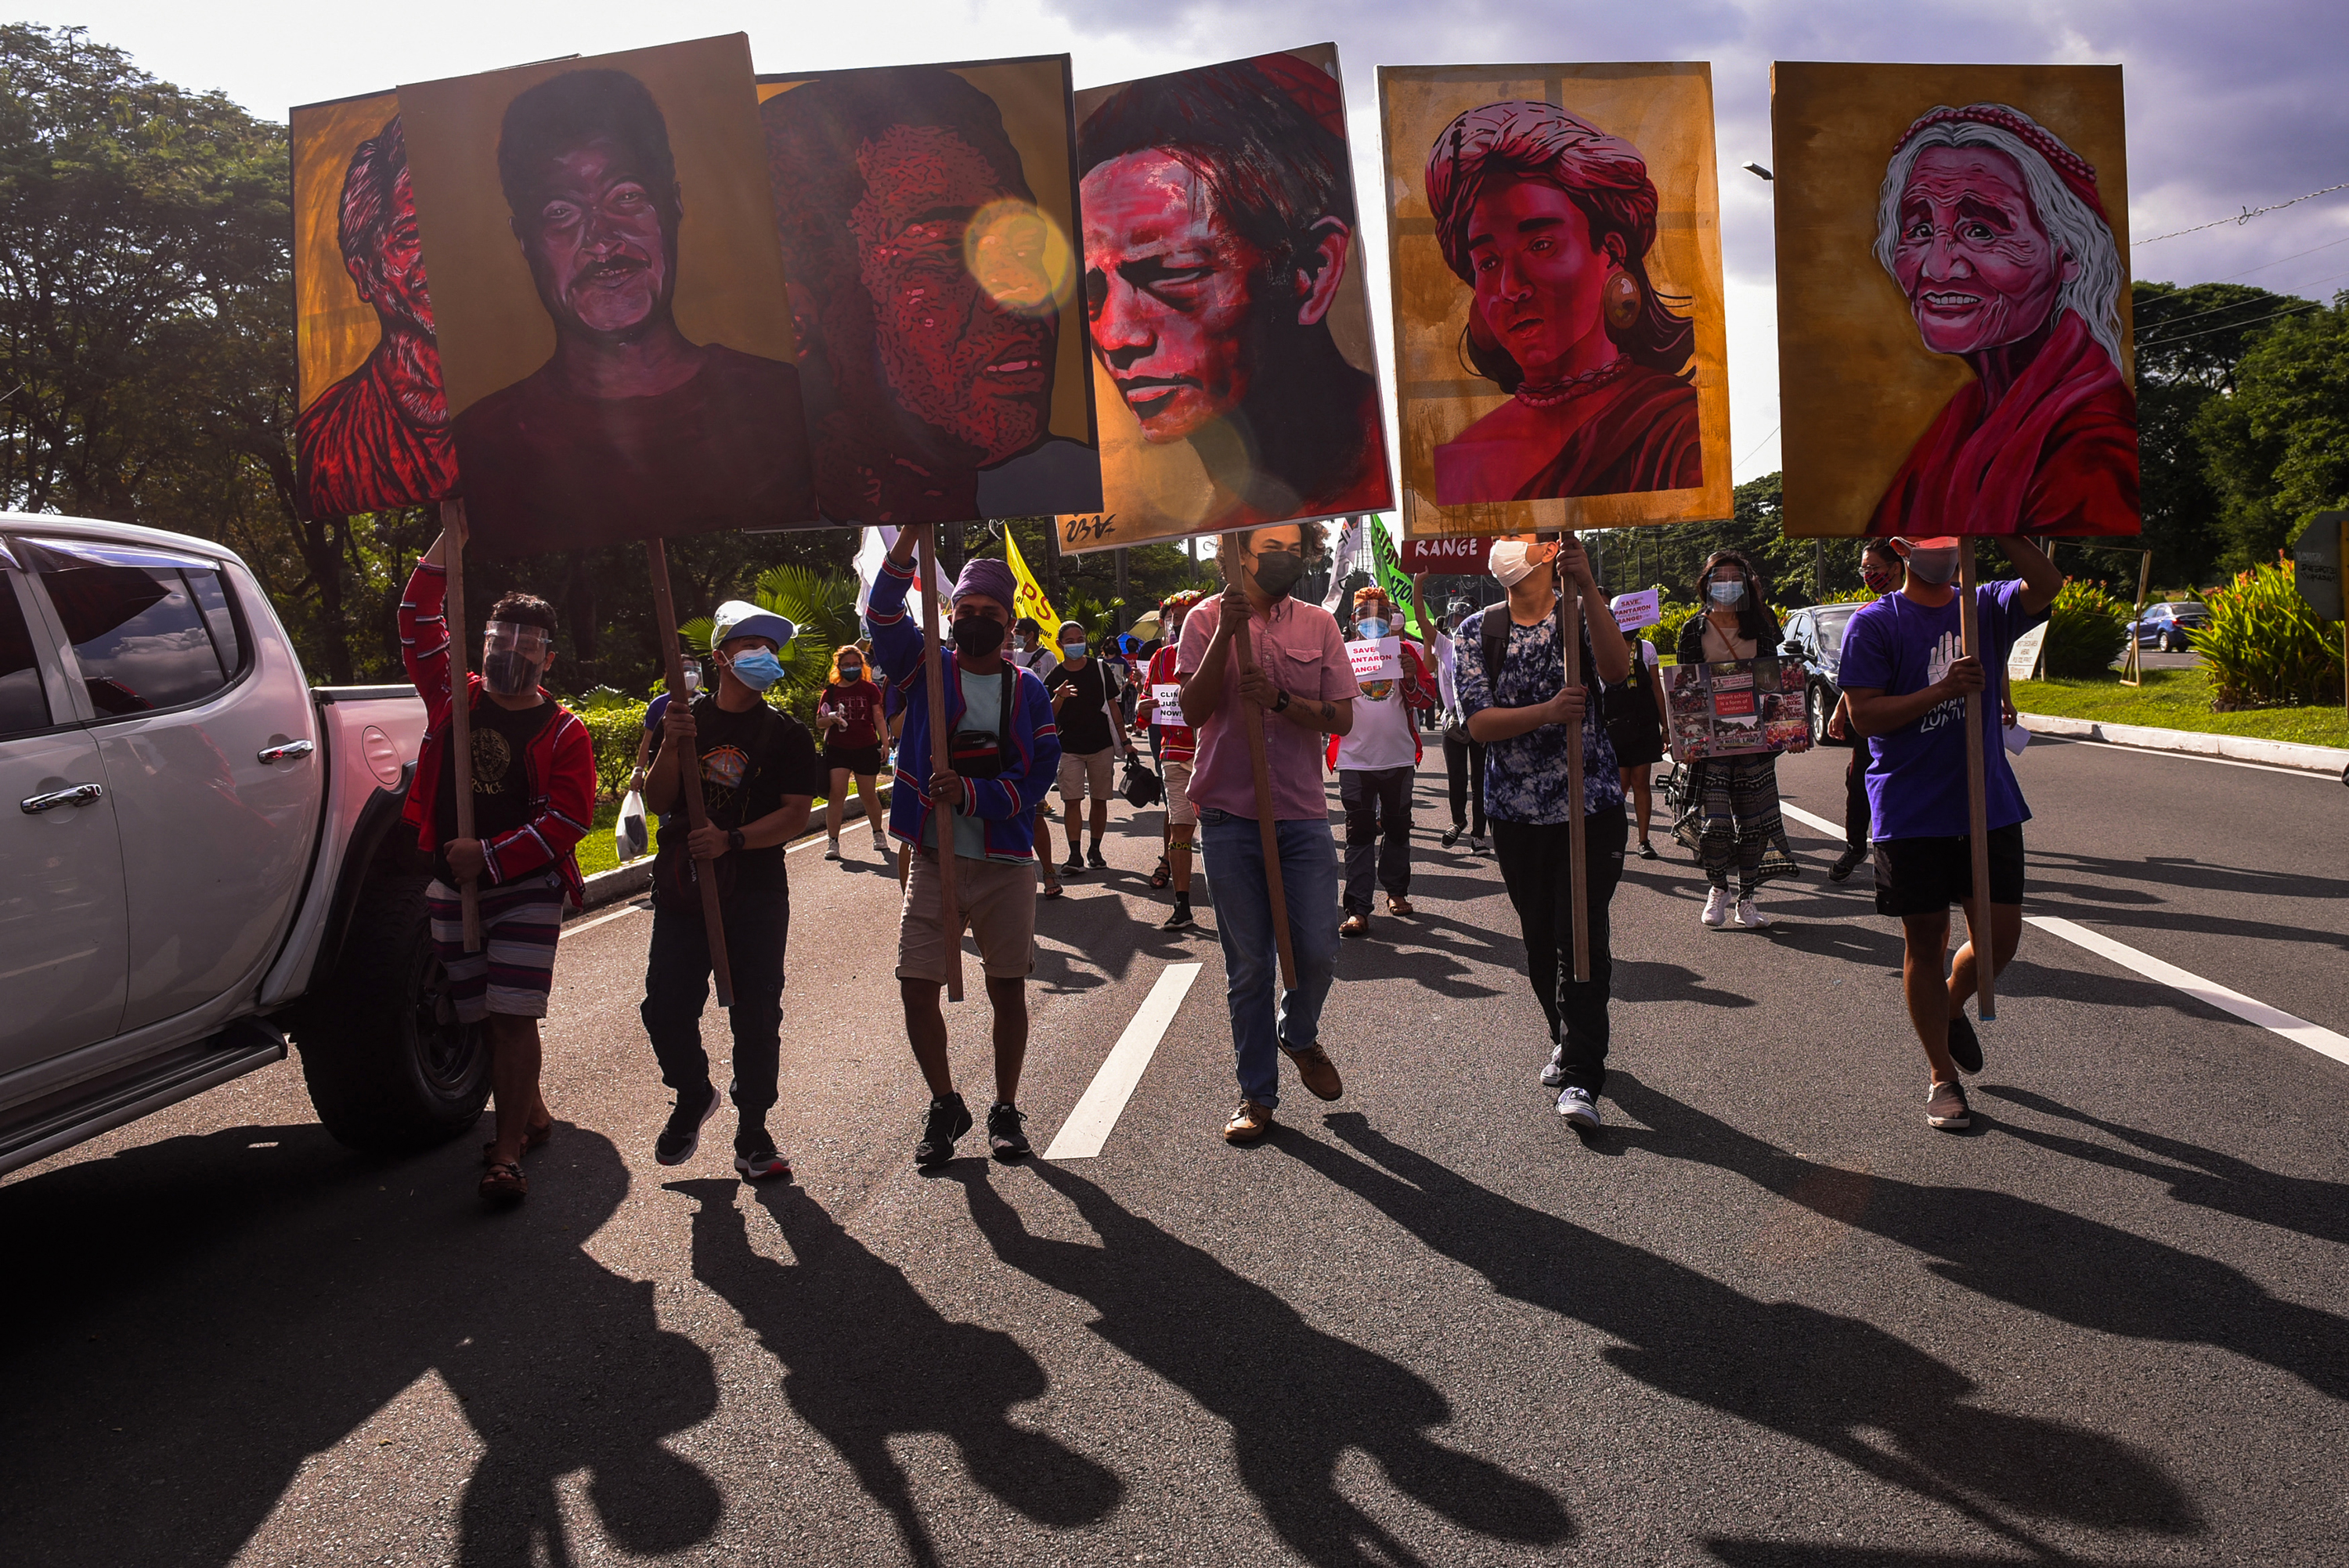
<point>948,1120</point>
<point>758,1158</point>
<point>1848,862</point>
<point>1451,834</point>
<point>1095,861</point>
<point>1964,1048</point>
<point>1180,919</point>
<point>1075,865</point>
<point>682,1136</point>
<point>1004,1139</point>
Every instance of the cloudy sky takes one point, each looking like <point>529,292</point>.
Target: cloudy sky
<point>2231,105</point>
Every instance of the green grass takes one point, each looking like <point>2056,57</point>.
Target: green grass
<point>2176,699</point>
<point>595,849</point>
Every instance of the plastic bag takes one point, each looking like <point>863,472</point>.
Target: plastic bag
<point>629,836</point>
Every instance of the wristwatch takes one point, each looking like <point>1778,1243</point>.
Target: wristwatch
<point>1280,703</point>
<point>734,838</point>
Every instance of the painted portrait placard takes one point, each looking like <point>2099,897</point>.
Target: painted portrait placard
<point>927,216</point>
<point>1235,380</point>
<point>373,430</point>
<point>1560,352</point>
<point>1954,350</point>
<point>613,324</point>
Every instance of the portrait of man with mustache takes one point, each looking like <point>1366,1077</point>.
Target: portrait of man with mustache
<point>925,282</point>
<point>629,427</point>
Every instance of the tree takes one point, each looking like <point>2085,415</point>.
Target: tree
<point>2278,447</point>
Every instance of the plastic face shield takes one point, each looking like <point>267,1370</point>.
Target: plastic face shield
<point>513,657</point>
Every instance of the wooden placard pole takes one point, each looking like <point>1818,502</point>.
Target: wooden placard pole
<point>461,703</point>
<point>688,773</point>
<point>925,541</point>
<point>1577,843</point>
<point>2133,667</point>
<point>1227,557</point>
<point>1978,923</point>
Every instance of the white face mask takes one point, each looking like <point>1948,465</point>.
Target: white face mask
<point>1512,561</point>
<point>1934,566</point>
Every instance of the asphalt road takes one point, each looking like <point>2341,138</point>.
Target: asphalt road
<point>1765,1318</point>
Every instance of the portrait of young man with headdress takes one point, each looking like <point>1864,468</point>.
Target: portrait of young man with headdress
<point>1550,219</point>
<point>1997,236</point>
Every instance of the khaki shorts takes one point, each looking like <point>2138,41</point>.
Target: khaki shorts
<point>1079,768</point>
<point>998,908</point>
<point>1180,812</point>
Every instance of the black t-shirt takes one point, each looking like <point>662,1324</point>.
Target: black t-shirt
<point>501,795</point>
<point>1084,726</point>
<point>750,761</point>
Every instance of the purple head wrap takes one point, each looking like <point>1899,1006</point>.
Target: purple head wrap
<point>987,575</point>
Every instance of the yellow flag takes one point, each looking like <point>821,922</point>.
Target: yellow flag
<point>1029,600</point>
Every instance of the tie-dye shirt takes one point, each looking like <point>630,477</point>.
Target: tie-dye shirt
<point>1525,776</point>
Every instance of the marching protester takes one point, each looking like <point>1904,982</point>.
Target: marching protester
<point>1084,706</point>
<point>1176,747</point>
<point>1907,686</point>
<point>1311,695</point>
<point>1512,684</point>
<point>1734,821</point>
<point>760,777</point>
<point>1880,568</point>
<point>1377,761</point>
<point>848,717</point>
<point>1464,756</point>
<point>1635,727</point>
<point>650,740</point>
<point>533,785</point>
<point>1027,649</point>
<point>1003,750</point>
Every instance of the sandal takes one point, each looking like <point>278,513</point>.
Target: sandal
<point>1051,890</point>
<point>503,1185</point>
<point>533,1140</point>
<point>1163,875</point>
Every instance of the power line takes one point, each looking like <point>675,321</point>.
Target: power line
<point>1757,447</point>
<point>2245,216</point>
<point>2301,309</point>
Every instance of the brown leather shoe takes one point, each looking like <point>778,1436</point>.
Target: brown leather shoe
<point>1355,925</point>
<point>1397,905</point>
<point>1249,1123</point>
<point>1316,1072</point>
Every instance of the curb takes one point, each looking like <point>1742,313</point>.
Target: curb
<point>636,877</point>
<point>2331,759</point>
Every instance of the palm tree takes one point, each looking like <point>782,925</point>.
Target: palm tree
<point>822,605</point>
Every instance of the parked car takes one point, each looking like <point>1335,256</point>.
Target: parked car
<point>2165,624</point>
<point>206,858</point>
<point>1814,636</point>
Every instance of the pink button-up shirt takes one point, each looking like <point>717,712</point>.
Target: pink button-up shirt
<point>1301,648</point>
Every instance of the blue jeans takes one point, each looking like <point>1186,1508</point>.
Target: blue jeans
<point>1308,876</point>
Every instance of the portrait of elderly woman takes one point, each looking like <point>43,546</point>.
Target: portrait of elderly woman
<point>1550,219</point>
<point>926,280</point>
<point>1995,233</point>
<point>629,427</point>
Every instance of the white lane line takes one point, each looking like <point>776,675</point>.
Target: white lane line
<point>1832,829</point>
<point>1088,1127</point>
<point>2300,1031</point>
<point>2325,774</point>
<point>601,919</point>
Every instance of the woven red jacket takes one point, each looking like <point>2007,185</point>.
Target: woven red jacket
<point>561,758</point>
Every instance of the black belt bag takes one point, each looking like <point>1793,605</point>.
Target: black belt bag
<point>974,753</point>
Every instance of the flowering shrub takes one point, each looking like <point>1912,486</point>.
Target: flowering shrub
<point>2265,648</point>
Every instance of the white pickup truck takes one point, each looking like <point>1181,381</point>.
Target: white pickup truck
<point>201,855</point>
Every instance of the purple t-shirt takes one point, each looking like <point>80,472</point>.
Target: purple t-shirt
<point>1916,774</point>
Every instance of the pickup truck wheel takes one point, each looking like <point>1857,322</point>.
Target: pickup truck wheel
<point>390,1068</point>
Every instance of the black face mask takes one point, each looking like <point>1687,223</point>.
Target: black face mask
<point>1277,572</point>
<point>508,673</point>
<point>978,635</point>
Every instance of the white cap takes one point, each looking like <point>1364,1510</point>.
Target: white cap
<point>739,618</point>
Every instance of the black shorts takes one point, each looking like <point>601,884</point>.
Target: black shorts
<point>1926,876</point>
<point>862,760</point>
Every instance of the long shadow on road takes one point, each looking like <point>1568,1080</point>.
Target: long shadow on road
<point>865,1358</point>
<point>190,1321</point>
<point>1822,1380</point>
<point>1296,1399</point>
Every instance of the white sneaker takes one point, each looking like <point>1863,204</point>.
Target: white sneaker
<point>1576,1106</point>
<point>1475,843</point>
<point>832,849</point>
<point>1716,908</point>
<point>1554,1075</point>
<point>1751,918</point>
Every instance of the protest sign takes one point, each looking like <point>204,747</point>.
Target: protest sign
<point>1633,610</point>
<point>1734,707</point>
<point>1378,659</point>
<point>1166,706</point>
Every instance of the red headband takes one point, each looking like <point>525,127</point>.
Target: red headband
<point>2076,173</point>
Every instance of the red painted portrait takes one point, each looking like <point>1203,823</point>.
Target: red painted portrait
<point>1550,221</point>
<point>927,283</point>
<point>380,437</point>
<point>1995,234</point>
<point>1220,232</point>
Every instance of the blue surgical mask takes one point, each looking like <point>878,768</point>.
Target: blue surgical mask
<point>1725,594</point>
<point>1371,627</point>
<point>756,669</point>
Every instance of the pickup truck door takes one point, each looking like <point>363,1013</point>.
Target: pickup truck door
<point>210,747</point>
<point>64,948</point>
